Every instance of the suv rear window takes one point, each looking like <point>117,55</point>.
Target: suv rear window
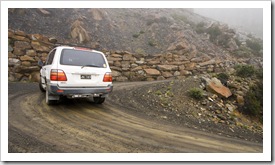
<point>82,58</point>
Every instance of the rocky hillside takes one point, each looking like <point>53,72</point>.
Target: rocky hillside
<point>158,43</point>
<point>143,31</point>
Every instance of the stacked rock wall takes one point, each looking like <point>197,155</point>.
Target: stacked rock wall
<point>25,50</point>
<point>134,67</point>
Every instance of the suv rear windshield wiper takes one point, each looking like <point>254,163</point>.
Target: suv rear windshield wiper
<point>90,66</point>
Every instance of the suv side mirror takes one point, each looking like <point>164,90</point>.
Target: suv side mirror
<point>40,63</point>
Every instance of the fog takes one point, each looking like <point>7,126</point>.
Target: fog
<point>249,20</point>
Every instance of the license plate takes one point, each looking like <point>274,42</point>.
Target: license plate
<point>85,76</point>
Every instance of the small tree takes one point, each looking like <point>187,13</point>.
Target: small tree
<point>214,32</point>
<point>196,93</point>
<point>253,105</point>
<point>223,77</point>
<point>245,70</point>
<point>254,45</point>
<point>200,28</point>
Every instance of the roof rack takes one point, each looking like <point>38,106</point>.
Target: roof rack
<point>73,45</point>
<point>76,46</point>
<point>63,44</point>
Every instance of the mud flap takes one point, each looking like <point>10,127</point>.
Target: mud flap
<point>53,97</point>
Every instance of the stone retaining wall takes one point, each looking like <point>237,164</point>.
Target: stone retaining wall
<point>26,49</point>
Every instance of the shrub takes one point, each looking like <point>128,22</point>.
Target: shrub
<point>179,18</point>
<point>135,35</point>
<point>200,28</point>
<point>253,105</point>
<point>152,43</point>
<point>150,22</point>
<point>163,20</point>
<point>223,40</point>
<point>196,93</point>
<point>223,77</point>
<point>259,73</point>
<point>238,42</point>
<point>158,92</point>
<point>254,45</point>
<point>243,51</point>
<point>141,32</point>
<point>245,70</point>
<point>140,51</point>
<point>214,32</point>
<point>169,93</point>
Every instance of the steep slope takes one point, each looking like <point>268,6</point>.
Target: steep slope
<point>143,31</point>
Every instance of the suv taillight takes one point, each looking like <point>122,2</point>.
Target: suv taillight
<point>58,75</point>
<point>107,77</point>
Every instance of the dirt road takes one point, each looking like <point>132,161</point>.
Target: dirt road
<point>78,126</point>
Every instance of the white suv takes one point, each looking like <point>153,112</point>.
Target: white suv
<point>75,72</point>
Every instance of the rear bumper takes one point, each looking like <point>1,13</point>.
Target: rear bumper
<point>85,92</point>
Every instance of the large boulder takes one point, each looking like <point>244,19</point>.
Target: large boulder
<point>79,32</point>
<point>214,85</point>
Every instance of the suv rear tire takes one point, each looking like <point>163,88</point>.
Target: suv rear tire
<point>41,87</point>
<point>99,100</point>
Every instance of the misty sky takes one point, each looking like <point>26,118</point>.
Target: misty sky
<point>248,19</point>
